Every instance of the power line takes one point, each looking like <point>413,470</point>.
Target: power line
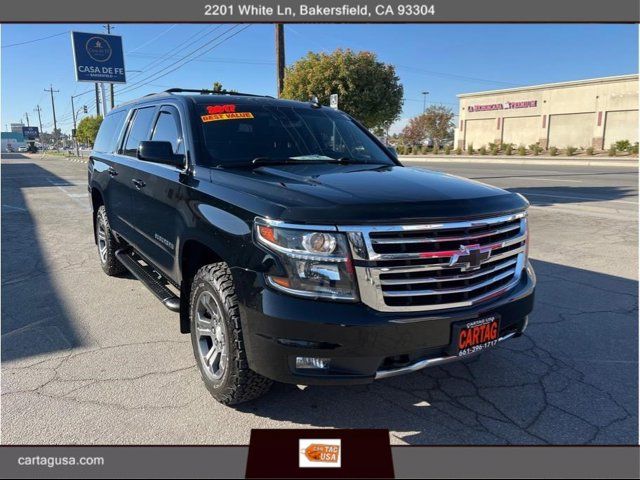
<point>67,113</point>
<point>454,76</point>
<point>35,40</point>
<point>152,40</point>
<point>180,59</point>
<point>414,69</point>
<point>429,102</point>
<point>175,48</point>
<point>235,61</point>
<point>157,77</point>
<point>69,121</point>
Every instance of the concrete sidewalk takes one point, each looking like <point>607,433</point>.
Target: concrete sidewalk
<point>631,162</point>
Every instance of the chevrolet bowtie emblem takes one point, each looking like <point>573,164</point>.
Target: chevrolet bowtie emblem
<point>470,257</point>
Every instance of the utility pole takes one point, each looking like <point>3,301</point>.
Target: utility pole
<point>27,115</point>
<point>75,131</point>
<point>97,101</point>
<point>280,57</point>
<point>104,99</point>
<point>108,27</point>
<point>424,101</point>
<point>38,109</point>
<point>53,109</point>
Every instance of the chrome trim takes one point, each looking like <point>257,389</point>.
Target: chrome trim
<point>451,278</point>
<point>444,253</point>
<point>445,265</point>
<point>445,291</point>
<point>430,362</point>
<point>365,232</point>
<point>388,241</point>
<point>433,226</point>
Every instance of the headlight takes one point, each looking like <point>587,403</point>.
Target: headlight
<point>317,263</point>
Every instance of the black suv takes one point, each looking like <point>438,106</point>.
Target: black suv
<point>296,247</point>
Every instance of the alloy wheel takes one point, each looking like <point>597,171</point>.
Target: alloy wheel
<point>210,331</point>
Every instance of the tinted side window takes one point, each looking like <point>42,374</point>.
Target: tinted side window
<point>109,132</point>
<point>166,130</point>
<point>138,130</point>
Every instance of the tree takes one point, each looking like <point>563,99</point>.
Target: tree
<point>218,88</point>
<point>415,132</point>
<point>435,123</point>
<point>439,123</point>
<point>88,129</point>
<point>367,89</point>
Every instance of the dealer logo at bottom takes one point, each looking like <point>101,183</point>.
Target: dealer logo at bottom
<point>320,453</point>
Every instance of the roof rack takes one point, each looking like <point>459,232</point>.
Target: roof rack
<point>211,92</point>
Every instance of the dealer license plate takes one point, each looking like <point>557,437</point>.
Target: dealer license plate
<point>473,336</point>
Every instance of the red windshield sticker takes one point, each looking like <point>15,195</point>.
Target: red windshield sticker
<point>226,116</point>
<point>228,108</point>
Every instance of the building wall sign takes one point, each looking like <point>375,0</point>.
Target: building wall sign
<point>503,106</point>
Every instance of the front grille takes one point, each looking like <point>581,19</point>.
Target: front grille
<point>438,266</point>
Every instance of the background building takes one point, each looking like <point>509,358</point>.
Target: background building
<point>11,141</point>
<point>583,113</point>
<point>16,127</point>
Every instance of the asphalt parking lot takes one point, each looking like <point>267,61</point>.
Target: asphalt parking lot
<point>91,359</point>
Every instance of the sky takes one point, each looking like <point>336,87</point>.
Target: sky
<point>444,59</point>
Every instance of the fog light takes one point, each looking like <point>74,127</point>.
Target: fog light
<point>312,362</point>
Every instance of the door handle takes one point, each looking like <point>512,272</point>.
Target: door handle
<point>138,183</point>
<point>113,172</point>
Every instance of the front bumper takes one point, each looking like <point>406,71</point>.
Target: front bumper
<point>361,343</point>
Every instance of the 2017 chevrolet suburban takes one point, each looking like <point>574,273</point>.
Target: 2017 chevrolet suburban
<point>297,248</point>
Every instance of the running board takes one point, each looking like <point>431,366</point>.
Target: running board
<point>149,279</point>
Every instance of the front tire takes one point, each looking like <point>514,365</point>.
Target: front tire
<point>107,244</point>
<point>216,337</point>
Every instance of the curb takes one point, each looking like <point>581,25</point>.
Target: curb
<point>516,161</point>
<point>73,159</point>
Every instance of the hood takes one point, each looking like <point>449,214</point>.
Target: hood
<point>360,194</point>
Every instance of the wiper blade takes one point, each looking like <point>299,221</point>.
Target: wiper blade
<point>275,161</point>
<point>283,161</point>
<point>348,160</point>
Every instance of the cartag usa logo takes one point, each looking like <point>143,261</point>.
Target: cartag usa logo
<point>320,453</point>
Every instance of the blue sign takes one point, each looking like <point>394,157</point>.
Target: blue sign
<point>98,58</point>
<point>30,133</point>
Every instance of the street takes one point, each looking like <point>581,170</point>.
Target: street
<point>91,359</point>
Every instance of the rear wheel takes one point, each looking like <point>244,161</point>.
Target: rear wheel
<point>216,337</point>
<point>107,244</point>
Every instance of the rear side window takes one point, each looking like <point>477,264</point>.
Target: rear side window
<point>109,132</point>
<point>138,130</point>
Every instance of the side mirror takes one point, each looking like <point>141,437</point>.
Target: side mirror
<point>159,152</point>
<point>393,151</point>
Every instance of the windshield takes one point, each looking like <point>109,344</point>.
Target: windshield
<point>236,135</point>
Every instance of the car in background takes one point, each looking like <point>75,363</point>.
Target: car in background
<point>23,149</point>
